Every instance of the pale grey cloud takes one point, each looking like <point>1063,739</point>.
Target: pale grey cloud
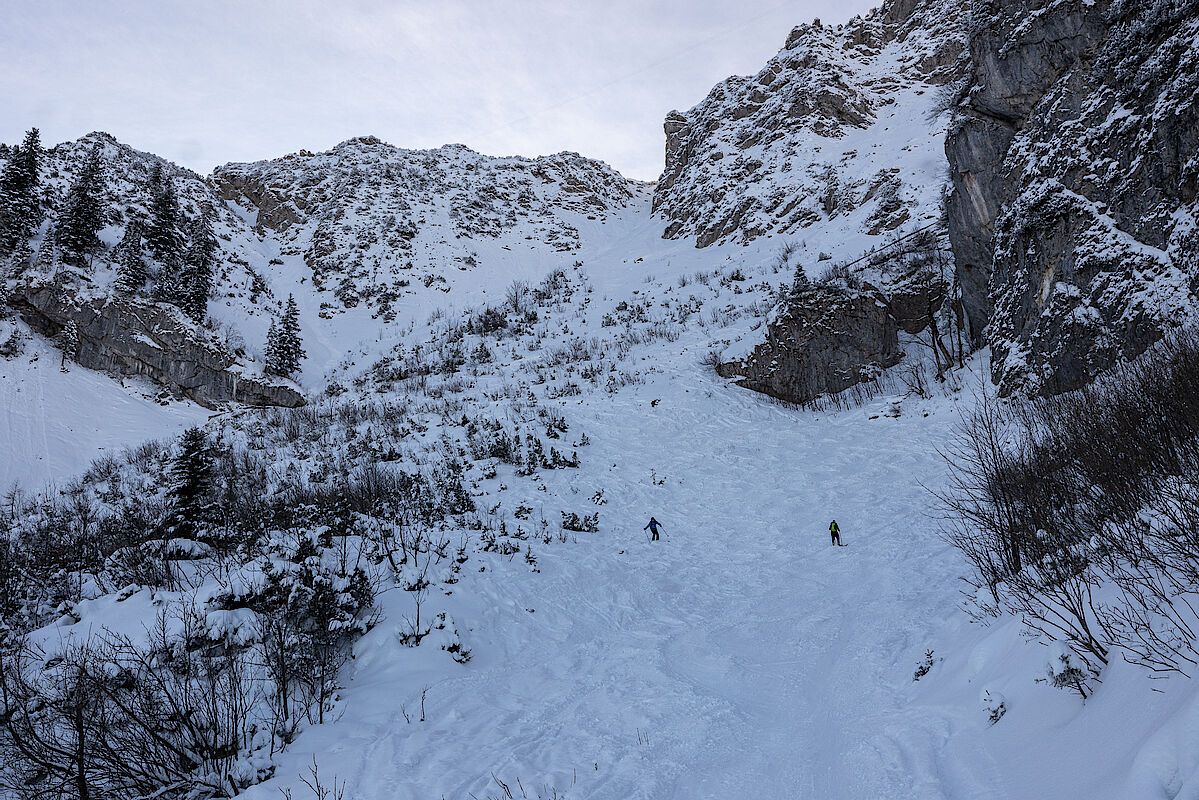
<point>211,81</point>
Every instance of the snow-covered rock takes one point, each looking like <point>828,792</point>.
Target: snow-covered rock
<point>131,336</point>
<point>843,119</point>
<point>1073,215</point>
<point>371,219</point>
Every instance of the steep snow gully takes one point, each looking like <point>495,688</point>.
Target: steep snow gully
<point>739,656</point>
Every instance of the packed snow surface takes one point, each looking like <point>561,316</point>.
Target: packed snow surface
<point>741,655</point>
<point>54,423</point>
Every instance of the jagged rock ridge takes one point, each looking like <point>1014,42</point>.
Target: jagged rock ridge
<point>370,219</point>
<point>812,136</point>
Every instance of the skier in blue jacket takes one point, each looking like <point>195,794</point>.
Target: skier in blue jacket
<point>652,527</point>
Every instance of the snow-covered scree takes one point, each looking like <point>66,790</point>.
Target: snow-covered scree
<point>741,653</point>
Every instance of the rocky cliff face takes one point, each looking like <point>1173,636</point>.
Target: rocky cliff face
<point>1072,158</point>
<point>127,336</point>
<point>117,333</point>
<point>826,339</point>
<point>370,219</point>
<point>1073,215</point>
<point>837,146</point>
<point>841,119</point>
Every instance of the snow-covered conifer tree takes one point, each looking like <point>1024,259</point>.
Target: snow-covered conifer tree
<point>20,193</point>
<point>190,492</point>
<point>284,347</point>
<point>84,213</point>
<point>132,273</point>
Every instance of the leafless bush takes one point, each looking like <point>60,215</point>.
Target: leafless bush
<point>712,359</point>
<point>320,791</point>
<point>516,297</point>
<point>107,718</point>
<point>1056,503</point>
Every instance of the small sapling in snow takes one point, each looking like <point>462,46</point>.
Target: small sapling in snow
<point>924,666</point>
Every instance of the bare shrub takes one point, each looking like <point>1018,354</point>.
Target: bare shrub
<point>1055,502</point>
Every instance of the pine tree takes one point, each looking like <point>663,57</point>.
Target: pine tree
<point>289,334</point>
<point>131,263</point>
<point>20,192</point>
<point>271,353</point>
<point>84,213</point>
<point>47,252</point>
<point>190,491</point>
<point>164,237</point>
<point>68,341</point>
<point>22,259</point>
<point>284,348</point>
<point>799,287</point>
<point>199,261</point>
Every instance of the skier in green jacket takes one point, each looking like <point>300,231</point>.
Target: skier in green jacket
<point>835,531</point>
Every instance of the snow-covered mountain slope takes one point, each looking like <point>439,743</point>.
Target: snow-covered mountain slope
<point>506,357</point>
<point>740,653</point>
<point>840,126</point>
<point>371,220</point>
<point>54,423</point>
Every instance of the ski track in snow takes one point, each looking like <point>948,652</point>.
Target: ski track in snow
<point>757,659</point>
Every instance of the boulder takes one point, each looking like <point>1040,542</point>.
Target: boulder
<point>824,339</point>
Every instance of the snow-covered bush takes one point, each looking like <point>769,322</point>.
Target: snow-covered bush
<point>924,665</point>
<point>1065,670</point>
<point>1055,501</point>
<point>586,523</point>
<point>993,703</point>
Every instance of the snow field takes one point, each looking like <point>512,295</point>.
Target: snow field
<point>741,655</point>
<point>752,655</point>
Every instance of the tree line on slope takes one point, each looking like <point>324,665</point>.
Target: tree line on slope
<point>164,254</point>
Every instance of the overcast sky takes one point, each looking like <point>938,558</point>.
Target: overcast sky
<point>211,81</point>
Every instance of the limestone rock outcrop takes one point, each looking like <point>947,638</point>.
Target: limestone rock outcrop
<point>128,336</point>
<point>823,340</point>
<point>805,140</point>
<point>1074,160</point>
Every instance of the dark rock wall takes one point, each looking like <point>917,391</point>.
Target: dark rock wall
<point>127,336</point>
<point>824,341</point>
<point>1074,168</point>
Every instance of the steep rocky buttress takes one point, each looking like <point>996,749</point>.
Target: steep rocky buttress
<point>838,141</point>
<point>1070,155</point>
<point>132,336</point>
<point>1073,215</point>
